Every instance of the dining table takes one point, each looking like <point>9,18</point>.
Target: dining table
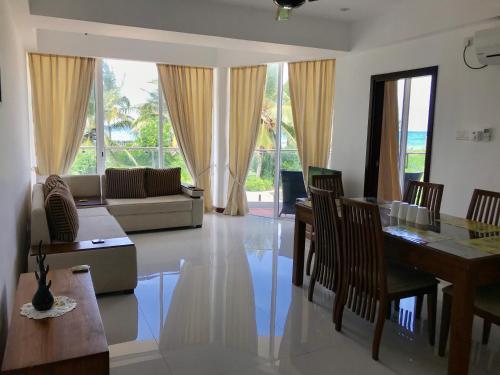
<point>463,252</point>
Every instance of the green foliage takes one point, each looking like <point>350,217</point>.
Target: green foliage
<point>416,162</point>
<point>290,161</point>
<point>118,113</point>
<point>143,122</point>
<point>255,183</point>
<point>85,162</point>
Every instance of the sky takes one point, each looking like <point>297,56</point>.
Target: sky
<point>136,77</point>
<point>419,102</point>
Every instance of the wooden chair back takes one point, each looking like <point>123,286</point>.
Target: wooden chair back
<point>485,207</point>
<point>327,230</point>
<point>332,182</point>
<point>424,194</point>
<point>362,264</point>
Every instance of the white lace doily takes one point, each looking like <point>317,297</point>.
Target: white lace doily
<point>61,306</point>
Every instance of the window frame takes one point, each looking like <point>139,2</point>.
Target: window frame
<point>375,123</point>
<point>100,145</point>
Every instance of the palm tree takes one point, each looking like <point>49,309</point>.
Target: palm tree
<point>116,107</point>
<point>267,133</point>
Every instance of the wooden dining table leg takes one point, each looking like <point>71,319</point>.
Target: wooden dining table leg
<point>299,245</point>
<point>462,316</point>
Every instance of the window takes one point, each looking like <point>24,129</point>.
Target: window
<point>135,129</point>
<point>86,160</point>
<point>131,114</point>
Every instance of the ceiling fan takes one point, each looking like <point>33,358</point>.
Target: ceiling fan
<point>285,8</point>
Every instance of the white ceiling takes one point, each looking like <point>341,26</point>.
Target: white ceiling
<point>359,9</point>
<point>237,28</point>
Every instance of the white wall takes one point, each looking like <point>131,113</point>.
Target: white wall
<point>411,19</point>
<point>465,99</point>
<point>14,165</point>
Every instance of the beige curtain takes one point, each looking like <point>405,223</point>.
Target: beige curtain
<point>246,96</point>
<point>188,93</point>
<point>60,90</point>
<point>312,87</point>
<point>389,188</point>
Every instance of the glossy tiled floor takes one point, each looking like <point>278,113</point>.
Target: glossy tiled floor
<point>219,300</point>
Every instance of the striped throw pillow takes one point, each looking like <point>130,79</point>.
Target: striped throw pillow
<point>52,182</point>
<point>125,183</point>
<point>163,181</point>
<point>62,215</point>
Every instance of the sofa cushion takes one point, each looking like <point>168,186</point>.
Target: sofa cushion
<point>62,215</point>
<point>150,205</point>
<point>125,183</point>
<point>93,211</point>
<point>52,182</point>
<point>163,181</point>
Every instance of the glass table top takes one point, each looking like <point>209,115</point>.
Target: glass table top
<point>458,236</point>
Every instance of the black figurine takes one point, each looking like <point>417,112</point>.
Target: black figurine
<point>43,299</point>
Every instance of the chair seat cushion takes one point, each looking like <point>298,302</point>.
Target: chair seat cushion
<point>487,298</point>
<point>150,205</point>
<point>402,279</point>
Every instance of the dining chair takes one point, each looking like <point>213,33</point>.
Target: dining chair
<point>333,183</point>
<point>326,224</point>
<point>368,282</point>
<point>484,207</point>
<point>293,188</point>
<point>424,194</point>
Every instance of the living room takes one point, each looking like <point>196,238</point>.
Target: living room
<point>200,267</point>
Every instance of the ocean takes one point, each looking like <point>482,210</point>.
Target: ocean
<point>416,140</point>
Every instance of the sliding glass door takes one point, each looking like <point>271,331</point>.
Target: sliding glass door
<point>276,148</point>
<point>260,181</point>
<point>414,96</point>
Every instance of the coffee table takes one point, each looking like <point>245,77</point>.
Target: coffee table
<point>74,343</point>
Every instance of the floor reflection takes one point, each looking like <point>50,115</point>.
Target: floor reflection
<point>220,301</point>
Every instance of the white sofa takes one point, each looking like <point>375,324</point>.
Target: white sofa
<point>113,264</point>
<point>114,268</point>
<point>169,211</point>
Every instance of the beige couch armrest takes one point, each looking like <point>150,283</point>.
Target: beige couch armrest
<point>39,225</point>
<point>192,191</point>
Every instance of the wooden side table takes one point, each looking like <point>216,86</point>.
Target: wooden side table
<point>74,343</point>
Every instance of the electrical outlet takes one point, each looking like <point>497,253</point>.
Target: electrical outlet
<point>477,135</point>
<point>487,134</point>
<point>463,135</point>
